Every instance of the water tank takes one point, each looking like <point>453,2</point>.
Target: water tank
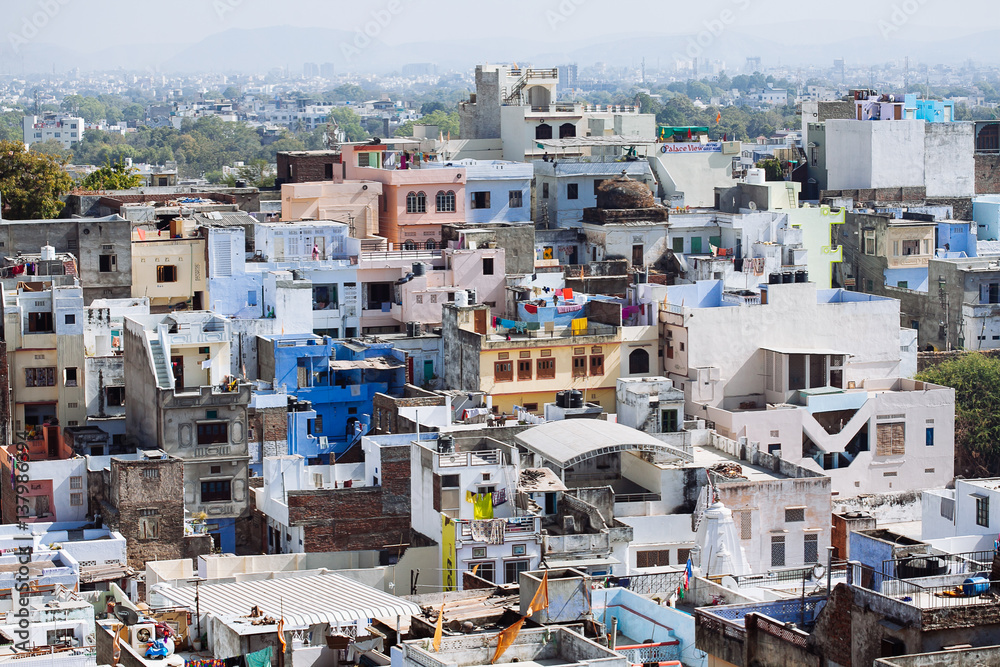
<point>787,277</point>
<point>473,296</point>
<point>975,586</point>
<point>801,276</point>
<point>576,399</point>
<point>414,329</point>
<point>774,279</point>
<point>48,253</point>
<point>445,444</point>
<point>297,274</point>
<point>461,298</point>
<point>419,268</point>
<point>561,399</point>
<point>756,176</point>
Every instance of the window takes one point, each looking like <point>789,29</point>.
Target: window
<point>378,293</point>
<point>215,470</point>
<point>480,200</point>
<point>545,190</point>
<point>597,364</point>
<point>364,159</point>
<point>777,551</point>
<point>416,202</point>
<point>445,201</point>
<point>657,558</point>
<point>545,369</point>
<point>151,473</point>
<point>325,297</point>
<point>837,371</point>
<point>487,266</point>
<point>485,570</point>
<point>890,439</point>
<point>512,570</point>
<point>431,245</point>
<point>668,421</point>
<point>929,436</point>
<point>543,131</point>
<point>579,367</point>
<point>216,491</point>
<point>911,248</point>
<point>982,511</point>
<point>989,293</point>
<point>450,481</point>
<point>409,244</point>
<point>744,521</point>
<point>40,377</point>
<point>70,380</point>
<point>503,371</point>
<point>810,549</point>
<point>524,369</point>
<point>213,433</point>
<point>76,482</point>
<point>40,323</point>
<point>870,242</point>
<point>638,362</point>
<point>166,273</point>
<point>572,191</point>
<point>108,263</point>
<point>795,514</point>
<point>76,499</point>
<point>515,199</point>
<point>683,556</point>
<point>69,319</point>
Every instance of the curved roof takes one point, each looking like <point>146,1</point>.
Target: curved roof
<point>305,601</point>
<point>570,441</point>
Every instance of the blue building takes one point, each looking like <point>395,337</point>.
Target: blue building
<point>333,382</point>
<point>932,111</point>
<point>495,190</point>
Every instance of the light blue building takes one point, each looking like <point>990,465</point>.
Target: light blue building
<point>333,382</point>
<point>932,111</point>
<point>495,190</point>
<point>986,215</point>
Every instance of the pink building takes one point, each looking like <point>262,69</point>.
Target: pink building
<point>415,202</point>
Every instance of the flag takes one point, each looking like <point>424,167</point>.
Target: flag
<point>725,136</point>
<point>438,630</point>
<point>540,600</point>
<point>141,232</point>
<point>718,118</point>
<point>688,573</point>
<point>506,638</point>
<point>281,634</point>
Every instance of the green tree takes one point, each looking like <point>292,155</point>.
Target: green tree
<point>430,107</point>
<point>112,176</point>
<point>31,182</point>
<point>134,113</point>
<point>772,169</point>
<point>976,381</point>
<point>446,122</point>
<point>349,122</point>
<point>231,93</point>
<point>52,147</point>
<point>256,174</point>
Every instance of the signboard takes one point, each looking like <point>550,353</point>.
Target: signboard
<point>693,147</point>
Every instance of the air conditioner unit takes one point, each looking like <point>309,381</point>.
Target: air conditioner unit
<point>140,635</point>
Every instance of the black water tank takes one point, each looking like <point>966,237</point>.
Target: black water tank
<point>787,277</point>
<point>445,444</point>
<point>561,401</point>
<point>419,268</point>
<point>801,276</point>
<point>774,279</point>
<point>576,399</point>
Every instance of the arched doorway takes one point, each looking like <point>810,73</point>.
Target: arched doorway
<point>543,131</point>
<point>638,362</point>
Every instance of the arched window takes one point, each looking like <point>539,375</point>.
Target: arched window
<point>409,244</point>
<point>431,245</point>
<point>567,130</point>
<point>638,362</point>
<point>543,131</point>
<point>445,201</point>
<point>416,202</point>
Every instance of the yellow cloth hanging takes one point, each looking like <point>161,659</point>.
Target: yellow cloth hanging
<point>579,326</point>
<point>483,506</point>
<point>470,497</point>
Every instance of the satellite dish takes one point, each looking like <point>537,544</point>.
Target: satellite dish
<point>752,206</point>
<point>818,571</point>
<point>730,583</point>
<point>126,615</point>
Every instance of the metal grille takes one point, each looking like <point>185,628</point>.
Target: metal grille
<point>810,549</point>
<point>795,514</point>
<point>744,520</point>
<point>777,551</point>
<point>652,558</point>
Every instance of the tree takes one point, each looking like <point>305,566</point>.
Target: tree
<point>231,93</point>
<point>430,107</point>
<point>112,176</point>
<point>448,123</point>
<point>52,147</point>
<point>975,378</point>
<point>256,174</point>
<point>31,183</point>
<point>349,122</point>
<point>772,169</point>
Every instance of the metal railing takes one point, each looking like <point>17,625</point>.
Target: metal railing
<point>637,498</point>
<point>653,584</point>
<point>956,594</point>
<point>651,653</point>
<point>918,565</point>
<point>462,459</point>
<point>783,576</point>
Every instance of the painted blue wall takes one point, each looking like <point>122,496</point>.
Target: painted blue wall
<point>958,236</point>
<point>986,215</point>
<point>642,619</point>
<point>915,279</point>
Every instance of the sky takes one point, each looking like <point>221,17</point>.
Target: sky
<point>198,35</point>
<point>81,24</point>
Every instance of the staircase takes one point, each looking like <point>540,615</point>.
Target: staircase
<point>790,189</point>
<point>160,365</point>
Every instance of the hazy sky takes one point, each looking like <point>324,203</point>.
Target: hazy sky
<point>91,25</point>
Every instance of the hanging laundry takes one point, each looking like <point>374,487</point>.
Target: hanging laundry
<point>559,292</point>
<point>482,506</point>
<point>508,324</point>
<point>531,308</point>
<point>470,497</point>
<point>569,309</point>
<point>500,497</point>
<point>579,326</point>
<point>534,326</point>
<point>567,292</point>
<point>261,658</point>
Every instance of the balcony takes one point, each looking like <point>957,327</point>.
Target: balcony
<point>516,527</point>
<point>491,457</point>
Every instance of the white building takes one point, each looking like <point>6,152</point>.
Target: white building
<point>495,190</point>
<point>67,130</point>
<point>564,188</point>
<point>814,376</point>
<point>971,511</point>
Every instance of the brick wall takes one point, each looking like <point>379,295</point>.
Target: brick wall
<point>359,518</point>
<point>385,412</point>
<point>833,627</point>
<point>270,430</point>
<point>927,360</point>
<point>987,173</point>
<point>309,167</point>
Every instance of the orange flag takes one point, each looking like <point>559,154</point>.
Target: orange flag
<point>718,119</point>
<point>506,638</point>
<point>116,649</point>
<point>541,599</point>
<point>438,630</point>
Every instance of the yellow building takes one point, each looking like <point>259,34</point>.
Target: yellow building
<point>530,368</point>
<point>819,238</point>
<point>170,267</point>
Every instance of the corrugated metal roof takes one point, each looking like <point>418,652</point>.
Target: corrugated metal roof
<point>571,440</point>
<point>305,601</point>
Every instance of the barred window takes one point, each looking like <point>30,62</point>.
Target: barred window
<point>890,439</point>
<point>810,549</point>
<point>657,558</point>
<point>777,551</point>
<point>744,522</point>
<point>795,514</point>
